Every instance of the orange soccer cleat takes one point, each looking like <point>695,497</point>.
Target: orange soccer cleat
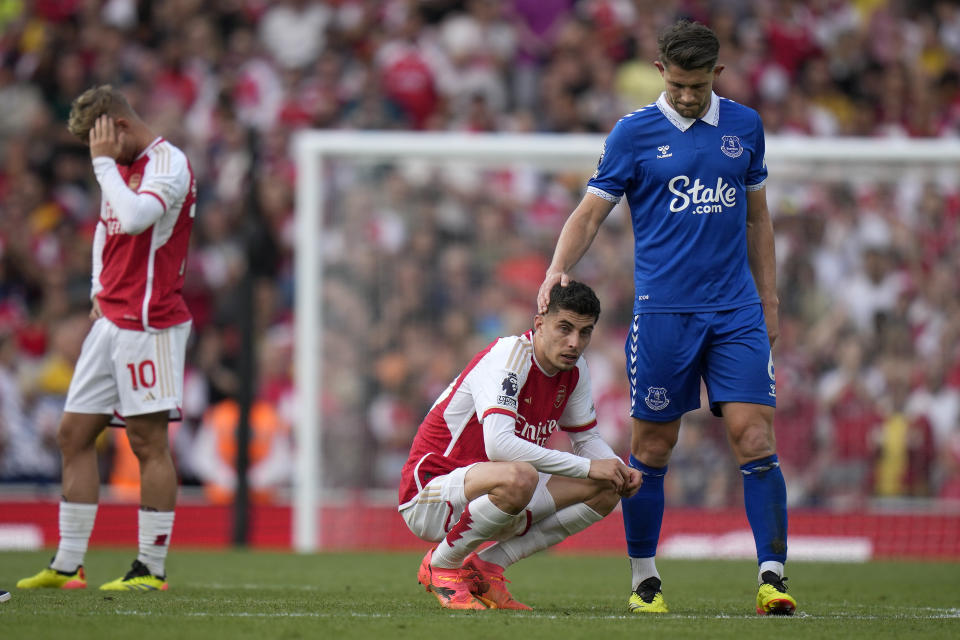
<point>454,588</point>
<point>496,592</point>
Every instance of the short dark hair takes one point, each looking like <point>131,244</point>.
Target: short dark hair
<point>576,297</point>
<point>689,45</point>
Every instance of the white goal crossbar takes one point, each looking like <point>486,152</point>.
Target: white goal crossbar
<point>312,148</point>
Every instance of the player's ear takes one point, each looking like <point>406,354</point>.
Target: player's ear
<point>716,71</point>
<point>537,322</point>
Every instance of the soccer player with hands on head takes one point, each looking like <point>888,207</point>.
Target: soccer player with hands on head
<point>691,166</point>
<point>478,470</point>
<point>130,370</point>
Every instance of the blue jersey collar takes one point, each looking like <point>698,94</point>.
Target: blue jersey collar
<point>712,116</point>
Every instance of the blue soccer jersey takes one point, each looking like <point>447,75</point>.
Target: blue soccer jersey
<point>686,182</point>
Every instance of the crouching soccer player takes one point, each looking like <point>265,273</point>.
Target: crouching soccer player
<point>478,470</point>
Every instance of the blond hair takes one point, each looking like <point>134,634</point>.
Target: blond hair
<point>93,103</point>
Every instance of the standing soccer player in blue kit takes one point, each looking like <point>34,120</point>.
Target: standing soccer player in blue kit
<point>692,168</point>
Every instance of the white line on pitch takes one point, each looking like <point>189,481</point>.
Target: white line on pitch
<point>934,614</point>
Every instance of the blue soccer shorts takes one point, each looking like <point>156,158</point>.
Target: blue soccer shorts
<point>669,353</point>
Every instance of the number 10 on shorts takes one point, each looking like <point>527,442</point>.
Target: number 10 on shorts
<point>143,374</point>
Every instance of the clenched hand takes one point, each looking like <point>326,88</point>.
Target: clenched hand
<point>625,480</point>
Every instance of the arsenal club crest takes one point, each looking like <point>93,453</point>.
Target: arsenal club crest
<point>561,394</point>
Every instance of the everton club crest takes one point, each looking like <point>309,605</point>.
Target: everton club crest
<point>657,398</point>
<point>731,146</point>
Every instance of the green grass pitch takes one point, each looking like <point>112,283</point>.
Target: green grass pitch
<point>217,595</point>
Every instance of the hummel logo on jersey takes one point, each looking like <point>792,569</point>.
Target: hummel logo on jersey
<point>709,199</point>
<point>663,149</point>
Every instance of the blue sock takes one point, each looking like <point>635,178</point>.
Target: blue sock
<point>643,513</point>
<point>765,497</point>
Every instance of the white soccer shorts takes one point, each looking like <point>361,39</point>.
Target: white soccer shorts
<point>441,502</point>
<point>129,373</point>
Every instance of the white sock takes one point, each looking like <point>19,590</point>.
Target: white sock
<point>155,529</point>
<point>481,521</point>
<point>76,524</point>
<point>770,565</point>
<point>643,568</point>
<point>543,534</point>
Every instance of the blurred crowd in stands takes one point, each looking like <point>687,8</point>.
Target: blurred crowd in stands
<point>426,264</point>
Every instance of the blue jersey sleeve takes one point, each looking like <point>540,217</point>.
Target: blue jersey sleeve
<point>615,170</point>
<point>757,171</point>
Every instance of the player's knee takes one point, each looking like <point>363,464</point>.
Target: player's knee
<point>68,442</point>
<point>144,446</point>
<point>753,441</point>
<point>652,451</point>
<point>604,501</point>
<point>652,443</point>
<point>518,481</point>
<point>73,440</point>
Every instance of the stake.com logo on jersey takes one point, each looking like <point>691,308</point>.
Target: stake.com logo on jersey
<point>706,199</point>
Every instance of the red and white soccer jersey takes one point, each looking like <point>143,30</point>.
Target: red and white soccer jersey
<point>138,278</point>
<point>503,378</point>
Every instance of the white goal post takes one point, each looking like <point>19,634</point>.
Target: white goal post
<point>313,148</point>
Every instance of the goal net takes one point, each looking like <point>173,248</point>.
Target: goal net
<point>413,251</point>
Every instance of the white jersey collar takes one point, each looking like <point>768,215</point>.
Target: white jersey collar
<point>146,150</point>
<point>537,362</point>
<point>529,335</point>
<point>711,117</point>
